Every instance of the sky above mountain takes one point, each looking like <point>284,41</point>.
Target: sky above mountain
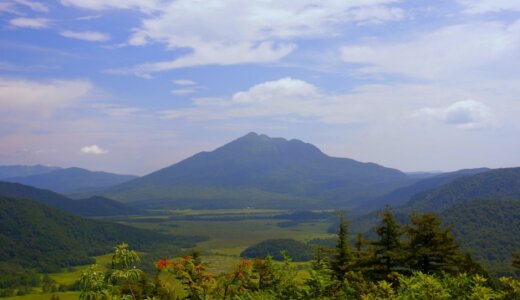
<point>132,86</point>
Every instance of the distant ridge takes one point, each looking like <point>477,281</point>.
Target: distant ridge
<point>260,171</point>
<point>402,195</point>
<point>72,180</point>
<point>94,206</point>
<point>497,184</point>
<point>22,171</point>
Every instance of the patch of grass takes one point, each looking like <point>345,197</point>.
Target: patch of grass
<point>62,295</point>
<point>69,276</point>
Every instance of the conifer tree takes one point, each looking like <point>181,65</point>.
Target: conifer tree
<point>431,249</point>
<point>343,257</point>
<point>388,253</point>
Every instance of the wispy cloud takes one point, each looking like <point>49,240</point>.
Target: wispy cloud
<point>183,91</point>
<point>184,82</point>
<point>487,47</point>
<point>489,6</point>
<point>90,36</point>
<point>34,5</point>
<point>40,97</point>
<point>32,23</point>
<point>253,40</point>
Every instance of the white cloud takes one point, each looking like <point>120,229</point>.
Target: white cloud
<point>143,5</point>
<point>184,82</point>
<point>40,97</point>
<point>488,6</point>
<point>33,23</point>
<point>91,36</point>
<point>466,114</point>
<point>93,149</point>
<point>216,54</point>
<point>262,31</point>
<point>457,51</point>
<point>273,91</point>
<point>33,5</point>
<point>183,91</point>
<point>377,105</point>
<point>115,110</point>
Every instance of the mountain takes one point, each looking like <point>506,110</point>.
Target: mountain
<point>33,235</point>
<point>489,229</point>
<point>72,180</point>
<point>404,194</point>
<point>22,171</point>
<point>259,171</point>
<point>94,206</point>
<point>498,184</point>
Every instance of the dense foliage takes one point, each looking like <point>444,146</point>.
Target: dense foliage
<point>94,206</point>
<point>489,230</point>
<point>296,250</point>
<point>33,235</point>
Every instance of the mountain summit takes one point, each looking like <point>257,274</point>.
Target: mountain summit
<point>260,171</point>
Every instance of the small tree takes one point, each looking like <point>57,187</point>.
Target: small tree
<point>124,271</point>
<point>343,257</point>
<point>431,249</point>
<point>388,254</point>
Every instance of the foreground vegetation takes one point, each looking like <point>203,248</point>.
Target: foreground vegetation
<point>424,264</point>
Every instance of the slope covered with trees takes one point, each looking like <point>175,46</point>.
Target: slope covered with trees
<point>33,235</point>
<point>495,184</point>
<point>488,229</point>
<point>93,206</point>
<point>402,195</point>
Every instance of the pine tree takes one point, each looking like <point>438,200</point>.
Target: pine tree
<point>431,249</point>
<point>388,253</point>
<point>343,257</point>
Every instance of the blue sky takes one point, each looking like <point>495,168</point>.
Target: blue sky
<point>132,86</point>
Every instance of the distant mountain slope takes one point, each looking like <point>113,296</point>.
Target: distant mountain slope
<point>259,171</point>
<point>489,229</point>
<point>496,184</point>
<point>22,171</point>
<point>34,235</point>
<point>404,194</point>
<point>72,180</point>
<point>94,206</point>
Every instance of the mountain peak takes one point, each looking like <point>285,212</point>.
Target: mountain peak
<point>262,143</point>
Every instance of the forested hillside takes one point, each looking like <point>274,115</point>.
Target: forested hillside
<point>402,195</point>
<point>94,206</point>
<point>488,229</point>
<point>495,184</point>
<point>34,235</point>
